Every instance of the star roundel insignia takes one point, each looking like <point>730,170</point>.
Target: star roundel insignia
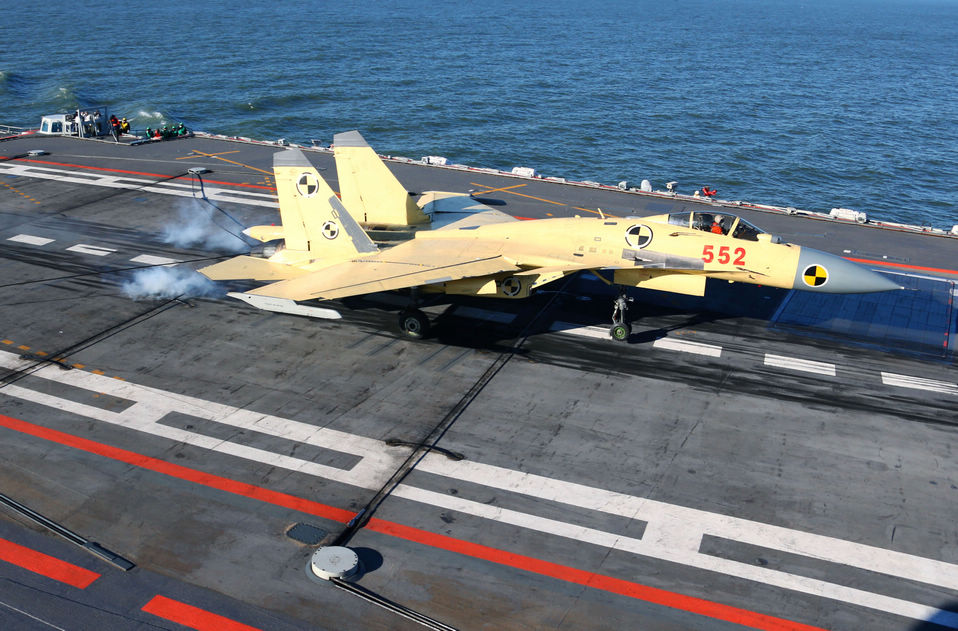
<point>511,286</point>
<point>330,230</point>
<point>638,236</point>
<point>307,185</point>
<point>815,276</point>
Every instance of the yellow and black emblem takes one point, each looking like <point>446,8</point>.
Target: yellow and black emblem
<point>815,276</point>
<point>638,236</point>
<point>307,185</point>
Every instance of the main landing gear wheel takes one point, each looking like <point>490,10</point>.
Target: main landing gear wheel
<point>621,332</point>
<point>414,323</point>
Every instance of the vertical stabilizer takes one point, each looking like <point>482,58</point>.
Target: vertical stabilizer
<point>370,191</point>
<point>316,225</point>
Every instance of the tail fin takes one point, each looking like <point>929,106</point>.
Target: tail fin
<point>316,225</point>
<point>370,191</point>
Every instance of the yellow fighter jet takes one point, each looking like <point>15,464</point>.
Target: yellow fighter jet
<point>326,255</point>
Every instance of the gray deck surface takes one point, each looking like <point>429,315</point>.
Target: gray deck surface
<point>701,458</point>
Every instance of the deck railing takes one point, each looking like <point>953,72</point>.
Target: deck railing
<point>10,130</point>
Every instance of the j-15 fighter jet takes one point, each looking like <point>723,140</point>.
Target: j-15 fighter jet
<point>326,254</point>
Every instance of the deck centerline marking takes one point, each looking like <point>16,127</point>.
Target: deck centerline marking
<point>94,250</point>
<point>688,346</point>
<point>623,587</point>
<point>582,331</point>
<point>29,239</point>
<point>919,383</point>
<point>475,313</point>
<point>149,259</point>
<point>46,565</point>
<point>802,365</point>
<point>192,617</point>
<point>672,533</point>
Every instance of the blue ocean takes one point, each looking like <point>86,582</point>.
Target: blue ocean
<point>808,103</point>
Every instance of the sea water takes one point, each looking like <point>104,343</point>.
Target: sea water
<point>808,103</point>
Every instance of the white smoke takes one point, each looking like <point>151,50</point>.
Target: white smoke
<point>169,282</point>
<point>195,227</point>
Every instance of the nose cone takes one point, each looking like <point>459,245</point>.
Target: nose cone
<point>830,274</point>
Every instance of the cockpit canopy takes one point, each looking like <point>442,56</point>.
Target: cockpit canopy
<point>717,223</point>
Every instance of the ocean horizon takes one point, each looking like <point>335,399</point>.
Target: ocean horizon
<point>811,104</point>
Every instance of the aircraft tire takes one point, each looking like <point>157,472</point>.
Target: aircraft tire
<point>414,323</point>
<point>620,332</point>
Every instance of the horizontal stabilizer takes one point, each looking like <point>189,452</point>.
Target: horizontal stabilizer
<point>265,233</point>
<point>250,267</point>
<point>284,305</point>
<point>470,220</point>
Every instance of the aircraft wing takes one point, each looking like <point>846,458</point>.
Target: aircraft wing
<point>251,267</point>
<point>409,264</point>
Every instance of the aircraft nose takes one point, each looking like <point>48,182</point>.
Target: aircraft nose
<point>827,273</point>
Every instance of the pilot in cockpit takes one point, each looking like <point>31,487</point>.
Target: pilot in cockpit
<point>717,225</point>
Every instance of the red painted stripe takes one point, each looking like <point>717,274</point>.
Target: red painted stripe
<point>192,617</point>
<point>904,266</point>
<point>502,557</point>
<point>654,595</point>
<point>164,176</point>
<point>51,567</point>
<point>179,471</point>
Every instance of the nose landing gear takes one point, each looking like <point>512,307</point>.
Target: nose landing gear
<point>620,329</point>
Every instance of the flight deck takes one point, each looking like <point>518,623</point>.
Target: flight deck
<point>754,458</point>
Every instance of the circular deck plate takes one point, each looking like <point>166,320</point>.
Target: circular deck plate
<point>334,562</point>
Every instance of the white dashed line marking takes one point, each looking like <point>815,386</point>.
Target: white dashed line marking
<point>30,239</point>
<point>682,346</point>
<point>804,365</point>
<point>673,534</point>
<point>83,248</point>
<point>584,331</point>
<point>182,189</point>
<point>483,314</point>
<point>149,259</point>
<point>917,383</point>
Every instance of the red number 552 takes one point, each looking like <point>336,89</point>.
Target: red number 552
<point>723,257</point>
